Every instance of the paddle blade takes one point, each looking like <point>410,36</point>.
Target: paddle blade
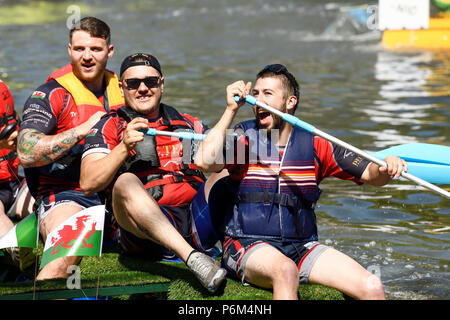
<point>430,162</point>
<point>419,152</point>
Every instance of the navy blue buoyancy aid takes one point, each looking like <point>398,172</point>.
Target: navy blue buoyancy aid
<point>277,196</point>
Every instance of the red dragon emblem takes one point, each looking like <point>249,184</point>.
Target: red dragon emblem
<point>67,235</point>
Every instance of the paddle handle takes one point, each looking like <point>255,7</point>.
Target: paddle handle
<point>293,120</point>
<point>306,126</point>
<point>179,134</point>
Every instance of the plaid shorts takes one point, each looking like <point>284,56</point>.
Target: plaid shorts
<point>237,251</point>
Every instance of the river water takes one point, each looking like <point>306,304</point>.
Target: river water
<point>351,88</point>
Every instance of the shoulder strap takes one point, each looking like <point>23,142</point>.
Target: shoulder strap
<point>128,113</point>
<point>246,125</point>
<point>172,118</point>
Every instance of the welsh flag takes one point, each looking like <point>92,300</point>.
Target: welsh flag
<point>80,235</point>
<point>23,234</point>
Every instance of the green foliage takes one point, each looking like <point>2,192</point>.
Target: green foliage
<point>37,12</point>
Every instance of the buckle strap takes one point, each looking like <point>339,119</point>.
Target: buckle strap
<point>10,156</point>
<point>283,199</point>
<point>168,180</point>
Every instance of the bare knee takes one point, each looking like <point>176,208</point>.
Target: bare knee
<point>123,184</point>
<point>373,288</point>
<point>286,272</point>
<point>285,280</point>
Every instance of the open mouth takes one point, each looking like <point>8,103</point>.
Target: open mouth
<point>263,116</point>
<point>88,66</point>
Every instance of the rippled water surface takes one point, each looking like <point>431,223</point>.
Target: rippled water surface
<point>350,87</point>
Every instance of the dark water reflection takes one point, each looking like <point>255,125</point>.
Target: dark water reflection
<point>351,88</point>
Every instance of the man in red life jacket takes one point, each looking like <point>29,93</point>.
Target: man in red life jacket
<point>56,119</point>
<point>150,186</point>
<point>270,227</point>
<point>15,199</point>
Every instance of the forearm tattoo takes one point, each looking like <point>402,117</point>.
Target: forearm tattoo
<point>36,149</point>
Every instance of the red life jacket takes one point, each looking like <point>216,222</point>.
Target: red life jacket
<point>72,104</point>
<point>9,162</point>
<point>161,160</point>
<point>83,97</point>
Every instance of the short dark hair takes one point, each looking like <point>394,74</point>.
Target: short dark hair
<point>95,27</point>
<point>138,59</point>
<point>288,81</point>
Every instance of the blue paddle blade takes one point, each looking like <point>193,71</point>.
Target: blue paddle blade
<point>430,162</point>
<point>418,152</point>
<point>432,173</point>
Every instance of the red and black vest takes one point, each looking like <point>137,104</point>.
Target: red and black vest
<point>160,160</point>
<point>9,164</point>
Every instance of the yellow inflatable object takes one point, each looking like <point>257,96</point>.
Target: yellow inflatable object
<point>437,36</point>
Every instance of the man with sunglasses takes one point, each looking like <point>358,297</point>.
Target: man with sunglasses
<point>150,181</point>
<point>15,200</point>
<point>266,196</point>
<point>56,118</point>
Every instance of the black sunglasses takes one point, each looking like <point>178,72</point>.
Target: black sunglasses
<point>280,69</point>
<point>134,83</point>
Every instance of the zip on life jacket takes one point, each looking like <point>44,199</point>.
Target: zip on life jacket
<point>276,197</point>
<point>158,160</point>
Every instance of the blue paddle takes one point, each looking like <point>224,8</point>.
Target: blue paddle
<point>177,134</point>
<point>310,128</point>
<point>420,156</point>
<point>423,160</point>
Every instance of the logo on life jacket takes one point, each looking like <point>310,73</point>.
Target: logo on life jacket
<point>38,94</point>
<point>92,132</point>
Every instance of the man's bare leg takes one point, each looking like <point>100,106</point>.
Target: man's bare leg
<point>137,212</point>
<point>58,267</point>
<point>337,270</point>
<point>267,267</point>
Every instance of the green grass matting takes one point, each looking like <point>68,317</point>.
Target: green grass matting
<point>125,277</point>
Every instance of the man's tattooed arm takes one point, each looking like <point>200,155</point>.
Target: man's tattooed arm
<point>36,149</point>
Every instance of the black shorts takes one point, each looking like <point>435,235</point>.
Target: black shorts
<point>72,197</point>
<point>9,191</point>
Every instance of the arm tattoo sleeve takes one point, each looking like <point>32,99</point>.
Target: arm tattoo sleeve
<point>36,149</point>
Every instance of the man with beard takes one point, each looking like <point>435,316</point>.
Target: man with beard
<point>269,194</point>
<point>56,119</point>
